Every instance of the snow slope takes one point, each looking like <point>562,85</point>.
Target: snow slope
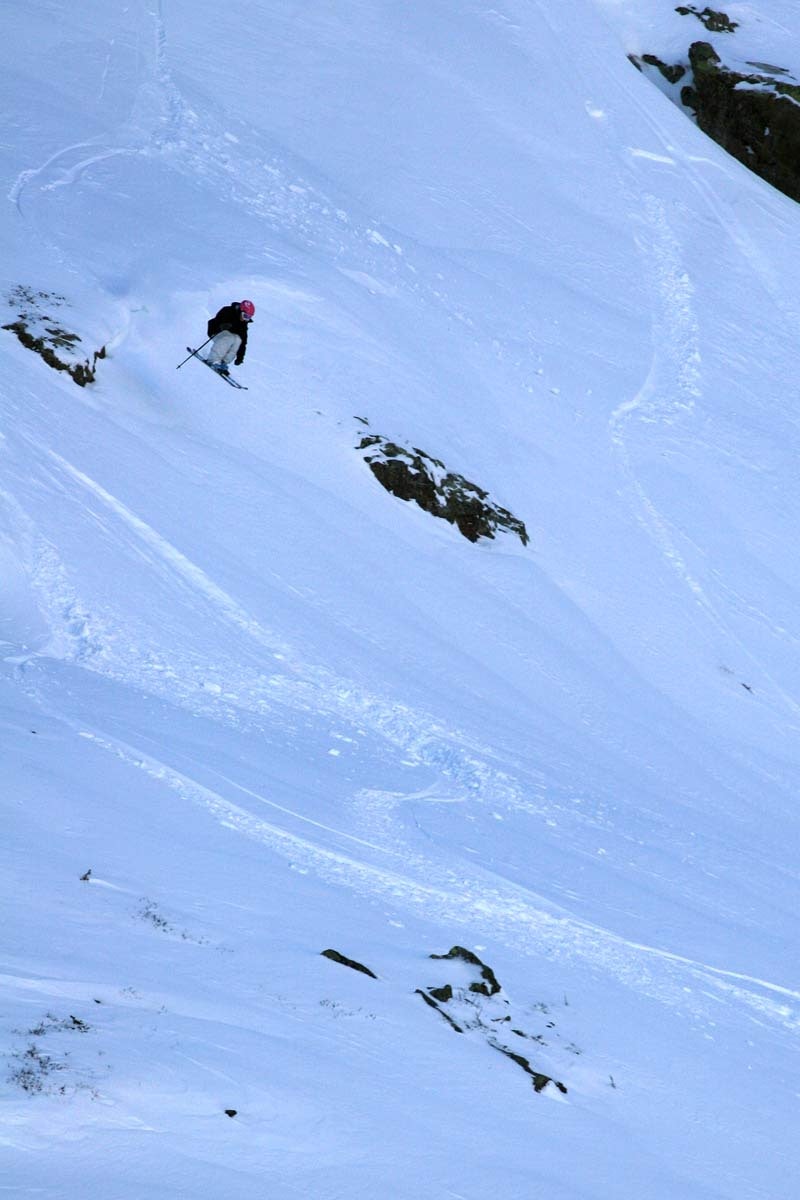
<point>272,709</point>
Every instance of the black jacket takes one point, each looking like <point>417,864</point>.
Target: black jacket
<point>230,317</point>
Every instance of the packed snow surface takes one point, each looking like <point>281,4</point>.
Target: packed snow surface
<point>253,707</point>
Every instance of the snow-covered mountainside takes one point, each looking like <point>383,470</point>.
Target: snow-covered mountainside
<point>253,707</point>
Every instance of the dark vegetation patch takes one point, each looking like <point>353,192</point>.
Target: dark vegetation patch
<point>151,915</point>
<point>32,1070</point>
<point>411,474</point>
<point>49,1023</point>
<point>40,331</point>
<point>49,1070</point>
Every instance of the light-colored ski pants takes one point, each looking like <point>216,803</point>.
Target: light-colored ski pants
<point>224,347</point>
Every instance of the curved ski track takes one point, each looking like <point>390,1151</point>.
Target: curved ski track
<point>380,864</point>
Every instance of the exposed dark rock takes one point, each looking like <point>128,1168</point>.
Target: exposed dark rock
<point>756,118</point>
<point>411,474</point>
<point>715,22</point>
<point>672,74</point>
<point>37,331</point>
<point>335,956</point>
<point>477,1008</point>
<point>540,1081</point>
<point>488,985</point>
<point>769,68</point>
<point>230,1112</point>
<point>432,1004</point>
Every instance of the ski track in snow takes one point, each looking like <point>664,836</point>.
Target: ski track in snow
<point>424,885</point>
<point>65,176</point>
<point>197,582</point>
<point>157,125</point>
<point>293,682</point>
<point>673,386</point>
<point>268,185</point>
<point>473,900</point>
<point>505,912</point>
<point>668,393</point>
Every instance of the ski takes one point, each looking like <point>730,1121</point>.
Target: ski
<point>228,378</point>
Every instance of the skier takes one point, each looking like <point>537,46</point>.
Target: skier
<point>229,331</point>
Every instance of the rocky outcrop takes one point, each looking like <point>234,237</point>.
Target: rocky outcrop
<point>672,74</point>
<point>342,959</point>
<point>487,985</point>
<point>47,337</point>
<point>467,995</point>
<point>411,474</point>
<point>755,117</point>
<point>471,1001</point>
<point>715,22</point>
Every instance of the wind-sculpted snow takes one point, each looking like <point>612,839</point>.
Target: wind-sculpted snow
<point>469,901</point>
<point>251,706</point>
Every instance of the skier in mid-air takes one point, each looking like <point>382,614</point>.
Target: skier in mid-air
<point>229,331</point>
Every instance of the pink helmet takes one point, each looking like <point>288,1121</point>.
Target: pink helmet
<point>247,309</point>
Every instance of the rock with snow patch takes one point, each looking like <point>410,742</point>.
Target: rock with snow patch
<point>45,334</point>
<point>470,1001</point>
<point>754,116</point>
<point>715,22</point>
<point>411,474</point>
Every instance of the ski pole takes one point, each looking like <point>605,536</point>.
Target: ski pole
<point>205,343</point>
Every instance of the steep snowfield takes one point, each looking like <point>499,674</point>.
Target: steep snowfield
<point>272,709</point>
